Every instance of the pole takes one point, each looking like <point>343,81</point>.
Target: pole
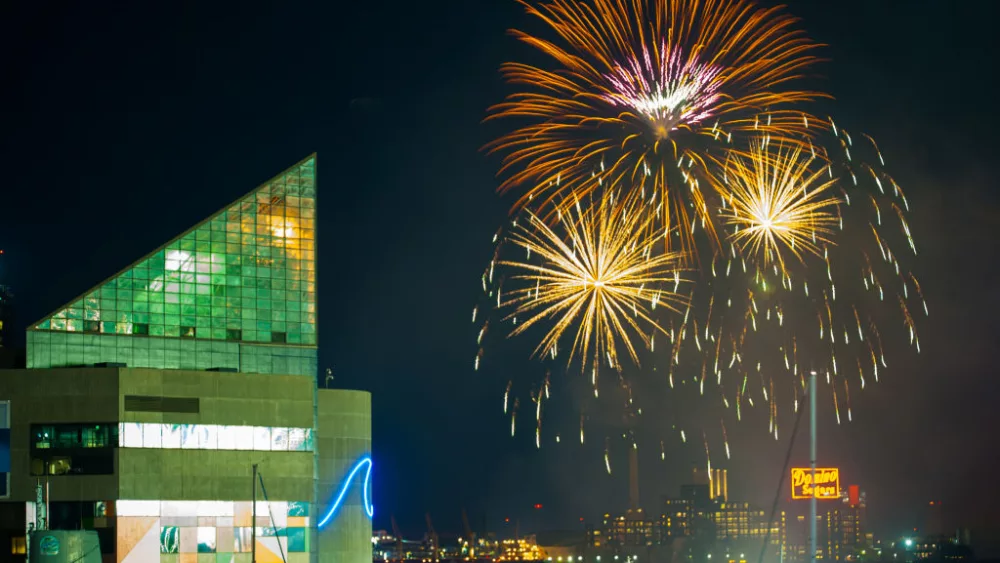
<point>253,519</point>
<point>812,465</point>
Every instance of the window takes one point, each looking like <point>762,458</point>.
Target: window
<point>278,337</point>
<point>73,449</point>
<point>73,436</point>
<point>140,328</point>
<point>214,437</point>
<point>154,403</point>
<point>81,462</point>
<point>18,545</point>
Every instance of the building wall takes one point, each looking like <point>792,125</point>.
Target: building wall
<point>343,440</point>
<point>238,399</point>
<point>57,396</point>
<point>181,522</point>
<point>172,501</point>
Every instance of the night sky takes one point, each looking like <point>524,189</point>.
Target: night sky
<point>126,123</point>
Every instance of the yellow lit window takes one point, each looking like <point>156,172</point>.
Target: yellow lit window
<point>18,546</point>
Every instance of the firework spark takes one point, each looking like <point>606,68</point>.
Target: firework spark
<point>605,275</point>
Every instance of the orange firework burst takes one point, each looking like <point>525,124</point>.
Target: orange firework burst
<point>635,83</point>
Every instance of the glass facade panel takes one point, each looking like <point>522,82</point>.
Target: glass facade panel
<point>187,528</point>
<point>243,276</point>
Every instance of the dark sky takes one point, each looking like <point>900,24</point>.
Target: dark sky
<point>125,123</point>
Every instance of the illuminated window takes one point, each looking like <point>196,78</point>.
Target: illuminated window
<point>171,436</point>
<point>73,436</point>
<point>261,438</point>
<point>213,437</point>
<point>244,437</point>
<point>18,545</point>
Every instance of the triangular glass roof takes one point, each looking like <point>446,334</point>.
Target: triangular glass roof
<point>247,273</point>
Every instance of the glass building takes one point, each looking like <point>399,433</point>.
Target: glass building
<point>237,291</point>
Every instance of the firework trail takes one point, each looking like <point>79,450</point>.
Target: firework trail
<point>725,438</point>
<point>607,455</point>
<point>513,417</point>
<point>506,395</point>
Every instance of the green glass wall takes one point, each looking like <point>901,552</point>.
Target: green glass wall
<point>236,291</point>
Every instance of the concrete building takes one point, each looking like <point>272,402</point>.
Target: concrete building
<point>149,400</point>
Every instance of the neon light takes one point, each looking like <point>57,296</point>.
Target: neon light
<point>369,507</point>
<point>827,485</point>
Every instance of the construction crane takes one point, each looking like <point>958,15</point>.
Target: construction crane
<point>470,536</point>
<point>399,538</point>
<point>433,536</point>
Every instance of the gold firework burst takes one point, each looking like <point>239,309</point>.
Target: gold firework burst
<point>777,202</point>
<point>598,267</point>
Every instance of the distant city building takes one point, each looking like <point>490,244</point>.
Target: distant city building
<point>953,548</point>
<point>844,537</point>
<point>695,522</point>
<point>149,399</point>
<point>522,549</point>
<point>700,496</point>
<point>842,529</point>
<point>6,315</point>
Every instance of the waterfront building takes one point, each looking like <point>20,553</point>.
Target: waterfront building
<point>151,400</point>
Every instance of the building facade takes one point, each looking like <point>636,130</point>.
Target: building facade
<point>152,400</point>
<point>695,525</point>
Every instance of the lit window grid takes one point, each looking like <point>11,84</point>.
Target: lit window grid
<point>247,274</point>
<point>214,437</point>
<point>222,526</point>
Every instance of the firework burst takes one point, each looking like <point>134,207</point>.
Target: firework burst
<point>776,202</point>
<point>758,322</point>
<point>599,270</point>
<point>641,92</point>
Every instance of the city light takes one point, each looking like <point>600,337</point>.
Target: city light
<point>369,508</point>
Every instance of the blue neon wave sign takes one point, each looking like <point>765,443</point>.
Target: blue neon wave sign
<point>365,462</point>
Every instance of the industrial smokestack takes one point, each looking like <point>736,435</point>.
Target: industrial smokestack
<point>633,480</point>
<point>719,485</point>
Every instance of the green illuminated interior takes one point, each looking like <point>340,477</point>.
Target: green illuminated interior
<point>244,276</point>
